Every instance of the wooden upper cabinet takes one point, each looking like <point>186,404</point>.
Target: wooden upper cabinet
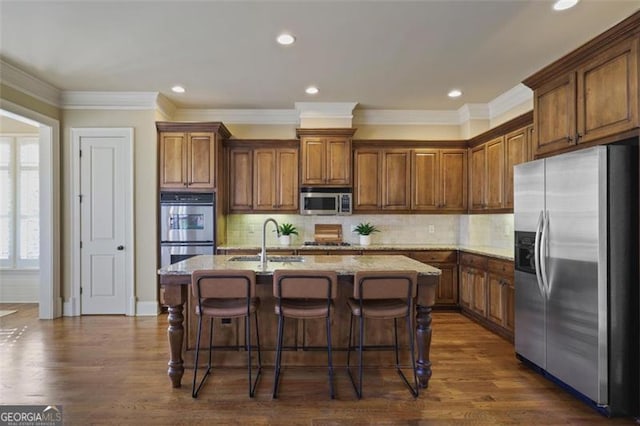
<point>325,156</point>
<point>263,179</point>
<point>607,93</point>
<point>453,179</point>
<point>188,155</point>
<point>173,160</point>
<point>590,95</point>
<point>439,179</point>
<point>240,179</point>
<point>516,147</point>
<point>425,194</point>
<point>477,177</point>
<point>554,114</point>
<point>367,177</point>
<point>396,179</point>
<point>494,183</point>
<point>287,189</point>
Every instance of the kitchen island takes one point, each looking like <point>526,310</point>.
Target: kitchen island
<point>175,280</point>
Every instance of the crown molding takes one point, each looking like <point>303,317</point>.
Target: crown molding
<point>325,109</point>
<point>109,100</point>
<point>468,112</point>
<point>405,117</point>
<point>165,106</point>
<point>239,116</point>
<point>26,83</point>
<point>510,99</point>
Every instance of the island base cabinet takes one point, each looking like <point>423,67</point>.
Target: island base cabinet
<point>299,335</point>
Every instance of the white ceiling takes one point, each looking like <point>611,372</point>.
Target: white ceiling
<point>383,54</point>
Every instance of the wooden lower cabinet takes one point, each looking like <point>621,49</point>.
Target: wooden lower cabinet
<point>487,292</point>
<point>447,262</point>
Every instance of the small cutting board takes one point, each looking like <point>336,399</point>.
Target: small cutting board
<point>328,233</point>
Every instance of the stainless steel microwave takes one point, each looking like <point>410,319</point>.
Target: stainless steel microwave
<point>325,201</point>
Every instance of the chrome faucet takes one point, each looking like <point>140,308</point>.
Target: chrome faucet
<point>263,253</point>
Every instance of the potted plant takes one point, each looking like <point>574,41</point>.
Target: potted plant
<point>286,230</point>
<point>365,230</point>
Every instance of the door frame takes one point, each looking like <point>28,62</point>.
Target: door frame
<point>50,296</point>
<point>76,134</point>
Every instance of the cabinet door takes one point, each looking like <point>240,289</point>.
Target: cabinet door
<point>554,112</point>
<point>509,305</point>
<point>367,181</point>
<point>479,297</point>
<point>453,179</point>
<point>516,152</point>
<point>425,179</point>
<point>338,161</point>
<point>396,179</point>
<point>494,185</point>
<point>286,179</point>
<point>495,287</point>
<point>313,161</point>
<point>447,292</point>
<point>240,180</point>
<point>608,92</point>
<point>201,161</point>
<point>477,177</point>
<point>264,179</point>
<point>466,287</point>
<point>173,160</point>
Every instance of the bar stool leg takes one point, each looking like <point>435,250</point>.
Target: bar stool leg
<point>360,354</point>
<point>330,358</point>
<point>278,356</point>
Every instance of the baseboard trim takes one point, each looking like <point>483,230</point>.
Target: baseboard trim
<point>147,309</point>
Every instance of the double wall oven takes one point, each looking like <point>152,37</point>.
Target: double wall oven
<point>187,225</point>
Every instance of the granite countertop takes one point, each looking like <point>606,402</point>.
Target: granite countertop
<point>501,253</point>
<point>343,265</point>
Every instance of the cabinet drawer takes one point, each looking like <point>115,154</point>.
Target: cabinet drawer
<point>435,256</point>
<point>501,267</point>
<point>473,260</point>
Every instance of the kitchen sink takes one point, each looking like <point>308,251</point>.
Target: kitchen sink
<point>256,258</point>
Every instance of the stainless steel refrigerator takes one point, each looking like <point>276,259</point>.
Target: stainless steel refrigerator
<point>576,278</point>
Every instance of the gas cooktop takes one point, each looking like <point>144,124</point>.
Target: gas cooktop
<point>315,243</point>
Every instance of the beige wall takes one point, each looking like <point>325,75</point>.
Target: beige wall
<point>262,131</point>
<point>512,113</point>
<point>413,131</point>
<point>145,191</point>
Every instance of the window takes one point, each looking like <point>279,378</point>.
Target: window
<point>19,201</point>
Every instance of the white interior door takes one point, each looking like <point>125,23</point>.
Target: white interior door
<point>105,173</point>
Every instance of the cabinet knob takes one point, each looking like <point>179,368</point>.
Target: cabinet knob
<point>569,139</point>
<point>578,136</point>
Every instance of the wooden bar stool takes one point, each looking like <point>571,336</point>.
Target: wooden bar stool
<point>226,294</point>
<point>303,295</point>
<point>383,295</point>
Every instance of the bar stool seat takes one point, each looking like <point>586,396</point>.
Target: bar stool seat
<point>228,308</point>
<point>226,294</point>
<point>303,294</point>
<point>383,295</point>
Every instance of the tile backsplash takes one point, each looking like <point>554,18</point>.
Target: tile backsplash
<point>494,230</point>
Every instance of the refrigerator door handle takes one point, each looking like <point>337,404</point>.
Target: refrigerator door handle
<point>536,254</point>
<point>543,253</point>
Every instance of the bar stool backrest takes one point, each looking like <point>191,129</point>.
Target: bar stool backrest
<point>385,285</point>
<point>301,284</point>
<point>227,284</point>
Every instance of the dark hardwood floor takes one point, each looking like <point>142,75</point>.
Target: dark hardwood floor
<point>112,370</point>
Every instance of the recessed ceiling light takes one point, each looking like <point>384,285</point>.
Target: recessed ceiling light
<point>455,93</point>
<point>564,4</point>
<point>178,89</point>
<point>285,39</point>
<point>311,90</point>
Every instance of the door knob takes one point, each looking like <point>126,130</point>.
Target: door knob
<point>120,248</point>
